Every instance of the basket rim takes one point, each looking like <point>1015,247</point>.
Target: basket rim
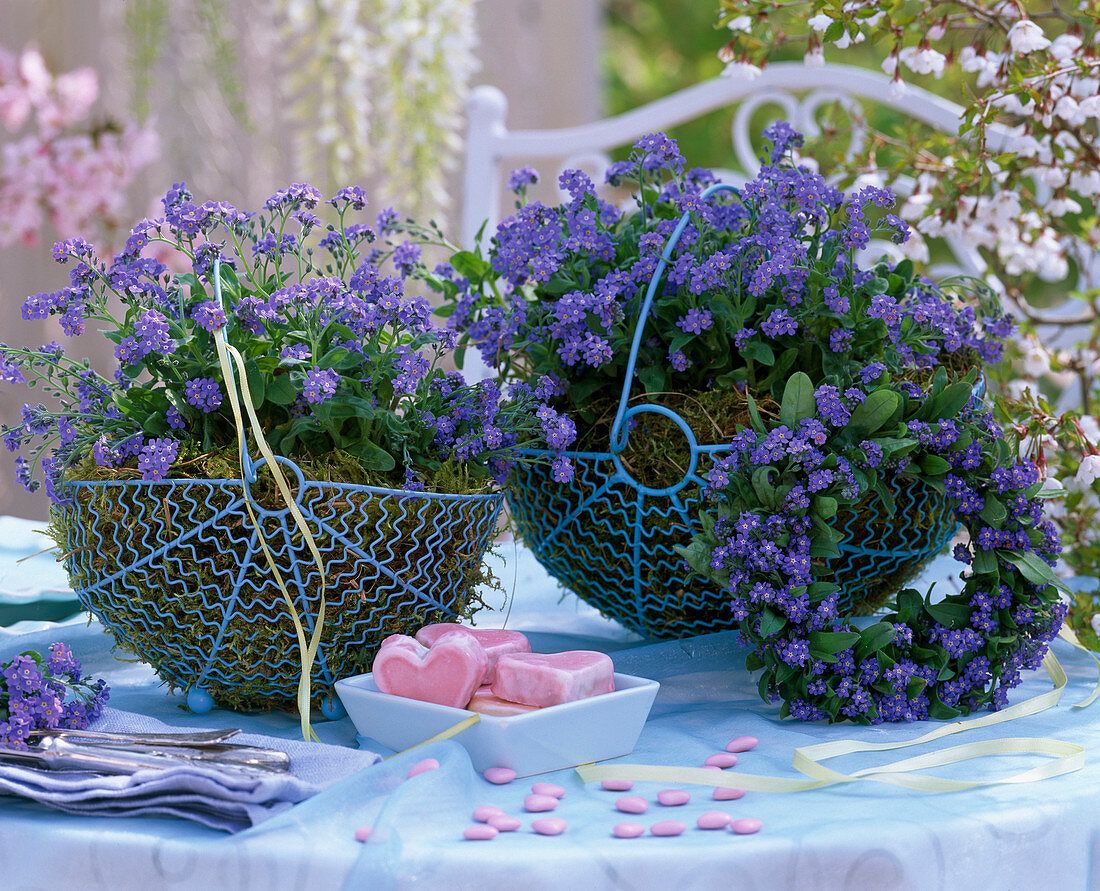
<point>173,482</point>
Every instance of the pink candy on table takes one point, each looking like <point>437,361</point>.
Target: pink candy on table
<point>724,794</point>
<point>422,767</point>
<point>539,803</point>
<point>667,827</point>
<point>447,673</point>
<point>498,776</point>
<point>742,744</point>
<point>713,820</point>
<point>549,826</point>
<point>495,641</point>
<point>544,679</point>
<point>628,830</point>
<point>485,702</point>
<point>363,833</point>
<point>548,789</point>
<point>485,811</point>
<point>746,825</point>
<point>722,760</point>
<point>618,786</point>
<point>504,823</point>
<point>632,804</point>
<point>673,797</point>
<point>481,832</point>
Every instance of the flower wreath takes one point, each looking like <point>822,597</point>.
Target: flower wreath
<point>771,542</point>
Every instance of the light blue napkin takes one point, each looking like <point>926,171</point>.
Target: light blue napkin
<point>221,799</point>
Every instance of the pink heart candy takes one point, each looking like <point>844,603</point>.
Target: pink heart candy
<point>544,679</point>
<point>495,641</point>
<point>484,702</point>
<point>447,673</point>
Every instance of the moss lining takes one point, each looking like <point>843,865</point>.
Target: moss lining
<point>170,610</point>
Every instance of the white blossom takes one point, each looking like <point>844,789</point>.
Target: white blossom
<point>1036,359</point>
<point>915,248</point>
<point>1026,37</point>
<point>742,71</point>
<point>1055,177</point>
<point>1069,111</point>
<point>1085,184</point>
<point>890,64</point>
<point>815,58</point>
<point>1090,428</point>
<point>740,23</point>
<point>897,89</point>
<point>1088,470</point>
<point>1095,623</point>
<point>820,22</point>
<point>1064,46</point>
<point>923,61</point>
<point>1059,207</point>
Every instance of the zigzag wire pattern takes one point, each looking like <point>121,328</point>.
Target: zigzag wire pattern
<point>175,571</point>
<point>598,537</point>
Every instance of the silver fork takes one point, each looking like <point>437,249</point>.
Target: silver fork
<point>199,738</point>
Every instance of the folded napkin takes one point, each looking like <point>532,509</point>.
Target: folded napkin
<point>219,798</point>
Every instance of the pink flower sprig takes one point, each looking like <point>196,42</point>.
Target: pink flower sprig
<point>57,169</point>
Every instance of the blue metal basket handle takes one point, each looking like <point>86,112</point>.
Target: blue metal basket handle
<point>620,429</point>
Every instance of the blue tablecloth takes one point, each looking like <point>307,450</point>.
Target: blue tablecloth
<point>861,836</point>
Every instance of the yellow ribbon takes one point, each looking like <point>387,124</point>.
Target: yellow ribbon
<point>1067,757</point>
<point>307,651</point>
<point>444,734</point>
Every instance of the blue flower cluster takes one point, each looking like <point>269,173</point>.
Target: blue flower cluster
<point>338,355</point>
<point>39,692</point>
<point>775,493</point>
<point>760,281</point>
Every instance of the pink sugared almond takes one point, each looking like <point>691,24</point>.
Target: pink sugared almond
<point>544,679</point>
<point>447,673</point>
<point>495,641</point>
<point>486,703</point>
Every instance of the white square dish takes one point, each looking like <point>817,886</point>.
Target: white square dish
<point>550,738</point>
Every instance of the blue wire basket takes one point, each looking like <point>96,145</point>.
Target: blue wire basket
<point>175,571</point>
<point>611,539</point>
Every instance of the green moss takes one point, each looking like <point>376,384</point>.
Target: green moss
<point>177,609</point>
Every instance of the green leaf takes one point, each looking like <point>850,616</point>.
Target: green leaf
<point>825,506</point>
<point>255,379</point>
<point>834,32</point>
<point>755,419</point>
<point>818,591</point>
<point>873,413</point>
<point>832,642</point>
<point>758,352</point>
<point>281,391</point>
<point>994,512</point>
<point>1032,567</point>
<point>950,615</point>
<point>952,400</point>
<point>372,456</point>
<point>771,623</point>
<point>698,555</point>
<point>469,265</point>
<point>762,485</point>
<point>798,400</point>
<point>874,638</point>
<point>984,561</point>
<point>934,465</point>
